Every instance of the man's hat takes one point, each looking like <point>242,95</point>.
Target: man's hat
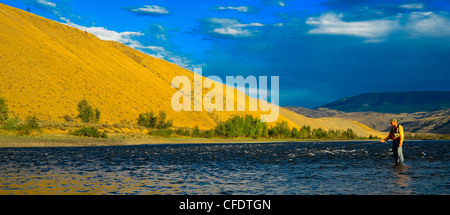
<point>393,120</point>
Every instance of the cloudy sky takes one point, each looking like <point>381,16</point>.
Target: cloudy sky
<point>321,50</point>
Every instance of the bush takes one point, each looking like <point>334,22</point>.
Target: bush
<point>319,133</point>
<point>89,132</point>
<point>241,126</point>
<point>87,113</point>
<point>183,132</point>
<point>196,132</point>
<point>149,120</point>
<point>162,133</point>
<point>30,125</point>
<point>11,124</point>
<point>3,111</point>
<point>162,123</point>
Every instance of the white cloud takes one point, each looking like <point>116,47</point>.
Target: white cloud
<point>331,23</point>
<point>127,38</point>
<point>427,24</point>
<point>105,34</point>
<point>415,24</point>
<point>150,9</point>
<point>46,3</point>
<point>412,6</point>
<point>278,3</point>
<point>242,9</point>
<point>232,27</point>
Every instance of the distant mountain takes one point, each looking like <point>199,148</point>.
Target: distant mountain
<point>393,102</point>
<point>437,122</point>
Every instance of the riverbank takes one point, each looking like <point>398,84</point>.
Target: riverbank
<point>65,140</point>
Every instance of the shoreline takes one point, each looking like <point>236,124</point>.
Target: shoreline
<point>64,140</point>
<point>9,140</point>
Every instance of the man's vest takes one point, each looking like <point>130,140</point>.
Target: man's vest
<point>395,132</point>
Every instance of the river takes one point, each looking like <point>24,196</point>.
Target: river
<point>293,168</point>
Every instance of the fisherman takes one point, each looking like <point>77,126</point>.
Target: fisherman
<point>397,135</point>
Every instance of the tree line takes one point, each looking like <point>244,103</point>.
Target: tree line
<point>158,124</point>
<point>252,127</point>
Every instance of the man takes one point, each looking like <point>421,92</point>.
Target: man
<point>397,135</point>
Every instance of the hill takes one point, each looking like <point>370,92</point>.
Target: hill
<point>393,102</point>
<point>48,67</point>
<point>437,122</point>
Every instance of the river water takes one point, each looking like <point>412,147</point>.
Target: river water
<point>299,168</point>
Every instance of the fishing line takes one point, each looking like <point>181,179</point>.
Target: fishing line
<point>354,145</point>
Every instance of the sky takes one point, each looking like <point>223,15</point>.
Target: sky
<point>321,50</point>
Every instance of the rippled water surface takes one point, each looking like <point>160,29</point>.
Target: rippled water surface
<point>266,168</point>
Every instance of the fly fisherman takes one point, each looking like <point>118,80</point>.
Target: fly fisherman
<point>397,135</point>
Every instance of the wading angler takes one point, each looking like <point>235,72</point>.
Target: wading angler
<point>213,100</point>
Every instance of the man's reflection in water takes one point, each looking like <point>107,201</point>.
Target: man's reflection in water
<point>400,178</point>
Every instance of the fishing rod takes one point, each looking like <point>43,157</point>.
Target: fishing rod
<point>360,144</point>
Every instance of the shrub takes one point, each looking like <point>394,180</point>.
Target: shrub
<point>67,118</point>
<point>147,119</point>
<point>30,125</point>
<point>87,113</point>
<point>241,126</point>
<point>183,132</point>
<point>162,123</point>
<point>207,133</point>
<point>162,133</point>
<point>3,111</point>
<point>89,132</point>
<point>196,132</point>
<point>319,133</point>
<point>11,124</point>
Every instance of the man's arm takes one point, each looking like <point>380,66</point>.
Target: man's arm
<point>402,135</point>
<point>387,138</point>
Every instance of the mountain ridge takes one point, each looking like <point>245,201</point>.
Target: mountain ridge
<point>393,102</point>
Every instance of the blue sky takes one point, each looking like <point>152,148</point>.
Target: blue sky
<point>321,50</point>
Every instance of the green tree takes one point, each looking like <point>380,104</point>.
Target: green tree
<point>283,130</point>
<point>231,129</point>
<point>295,133</point>
<point>3,111</point>
<point>349,133</point>
<point>319,133</point>
<point>220,129</point>
<point>148,119</point>
<point>265,130</point>
<point>305,132</point>
<point>273,131</point>
<point>196,132</point>
<point>162,122</point>
<point>30,125</point>
<point>240,126</point>
<point>87,113</point>
<point>11,124</point>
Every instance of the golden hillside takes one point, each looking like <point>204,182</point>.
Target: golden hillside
<point>47,67</point>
